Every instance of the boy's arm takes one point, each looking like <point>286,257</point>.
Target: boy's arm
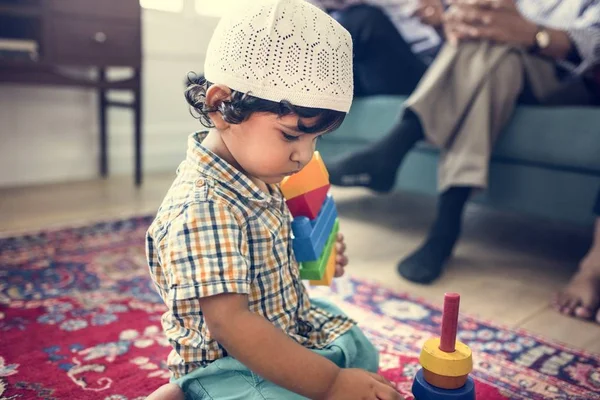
<point>265,349</point>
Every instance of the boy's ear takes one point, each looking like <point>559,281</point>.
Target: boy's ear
<point>215,95</point>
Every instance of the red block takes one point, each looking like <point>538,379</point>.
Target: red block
<point>308,204</point>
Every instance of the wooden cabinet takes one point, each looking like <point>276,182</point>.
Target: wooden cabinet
<point>100,42</point>
<point>95,34</point>
<point>120,9</point>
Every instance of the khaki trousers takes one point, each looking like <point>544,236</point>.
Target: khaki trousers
<point>467,97</point>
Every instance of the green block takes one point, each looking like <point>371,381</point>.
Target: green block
<point>314,270</point>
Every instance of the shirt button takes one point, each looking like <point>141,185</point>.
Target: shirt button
<point>200,182</point>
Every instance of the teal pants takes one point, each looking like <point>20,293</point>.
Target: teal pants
<point>228,379</point>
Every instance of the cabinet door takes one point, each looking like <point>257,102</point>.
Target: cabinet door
<point>99,8</point>
<point>102,42</point>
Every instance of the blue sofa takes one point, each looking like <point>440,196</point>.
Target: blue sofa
<point>547,162</point>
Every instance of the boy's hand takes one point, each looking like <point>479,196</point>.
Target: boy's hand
<point>355,383</point>
<point>341,260</point>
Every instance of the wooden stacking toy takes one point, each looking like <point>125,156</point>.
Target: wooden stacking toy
<point>446,361</point>
<point>315,225</point>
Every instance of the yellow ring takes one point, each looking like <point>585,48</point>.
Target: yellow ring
<point>457,363</point>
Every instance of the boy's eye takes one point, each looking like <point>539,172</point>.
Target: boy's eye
<point>289,138</point>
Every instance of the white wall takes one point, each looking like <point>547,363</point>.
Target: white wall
<point>50,134</point>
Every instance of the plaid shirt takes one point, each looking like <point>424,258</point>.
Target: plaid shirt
<point>217,232</point>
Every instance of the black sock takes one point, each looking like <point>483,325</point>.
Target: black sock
<point>376,167</point>
<point>427,262</point>
<point>402,138</point>
<point>450,209</point>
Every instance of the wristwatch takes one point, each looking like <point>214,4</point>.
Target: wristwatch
<point>542,40</point>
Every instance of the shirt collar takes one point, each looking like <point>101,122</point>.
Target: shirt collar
<point>209,164</point>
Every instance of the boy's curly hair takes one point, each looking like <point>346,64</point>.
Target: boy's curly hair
<point>243,105</point>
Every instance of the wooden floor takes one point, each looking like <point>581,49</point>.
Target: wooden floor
<point>506,267</point>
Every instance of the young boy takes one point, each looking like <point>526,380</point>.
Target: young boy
<point>279,75</point>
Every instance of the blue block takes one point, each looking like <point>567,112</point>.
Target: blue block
<point>310,236</point>
<point>424,391</point>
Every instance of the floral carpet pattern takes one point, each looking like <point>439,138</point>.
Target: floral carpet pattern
<point>80,319</point>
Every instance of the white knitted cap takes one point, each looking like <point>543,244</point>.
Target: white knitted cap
<point>283,50</point>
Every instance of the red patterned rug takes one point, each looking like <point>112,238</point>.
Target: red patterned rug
<point>79,319</point>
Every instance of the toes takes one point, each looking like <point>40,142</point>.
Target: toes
<point>583,312</point>
<point>574,302</point>
<point>558,301</point>
<point>563,299</point>
<point>570,305</point>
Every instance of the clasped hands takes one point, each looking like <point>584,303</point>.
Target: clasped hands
<point>496,20</point>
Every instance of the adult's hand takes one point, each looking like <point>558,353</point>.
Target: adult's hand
<point>430,12</point>
<point>497,20</point>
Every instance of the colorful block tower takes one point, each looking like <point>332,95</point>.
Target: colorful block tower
<point>315,225</point>
<point>446,361</point>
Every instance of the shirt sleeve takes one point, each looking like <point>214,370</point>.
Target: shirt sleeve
<point>585,35</point>
<point>206,253</point>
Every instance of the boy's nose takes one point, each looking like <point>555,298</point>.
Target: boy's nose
<point>303,155</point>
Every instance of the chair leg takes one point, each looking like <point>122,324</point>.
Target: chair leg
<point>138,130</point>
<point>102,119</point>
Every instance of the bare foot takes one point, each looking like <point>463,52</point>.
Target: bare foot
<point>581,297</point>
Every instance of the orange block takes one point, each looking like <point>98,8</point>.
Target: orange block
<point>329,271</point>
<point>308,204</point>
<point>314,175</point>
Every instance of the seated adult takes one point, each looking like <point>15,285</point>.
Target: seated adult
<point>497,53</point>
<point>393,41</point>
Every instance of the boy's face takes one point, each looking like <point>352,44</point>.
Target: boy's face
<point>269,147</point>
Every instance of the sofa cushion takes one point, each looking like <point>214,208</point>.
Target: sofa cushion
<point>561,137</point>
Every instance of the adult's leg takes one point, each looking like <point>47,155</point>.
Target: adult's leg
<point>581,297</point>
<point>466,149</point>
<point>383,62</point>
<point>441,101</point>
<point>376,167</point>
